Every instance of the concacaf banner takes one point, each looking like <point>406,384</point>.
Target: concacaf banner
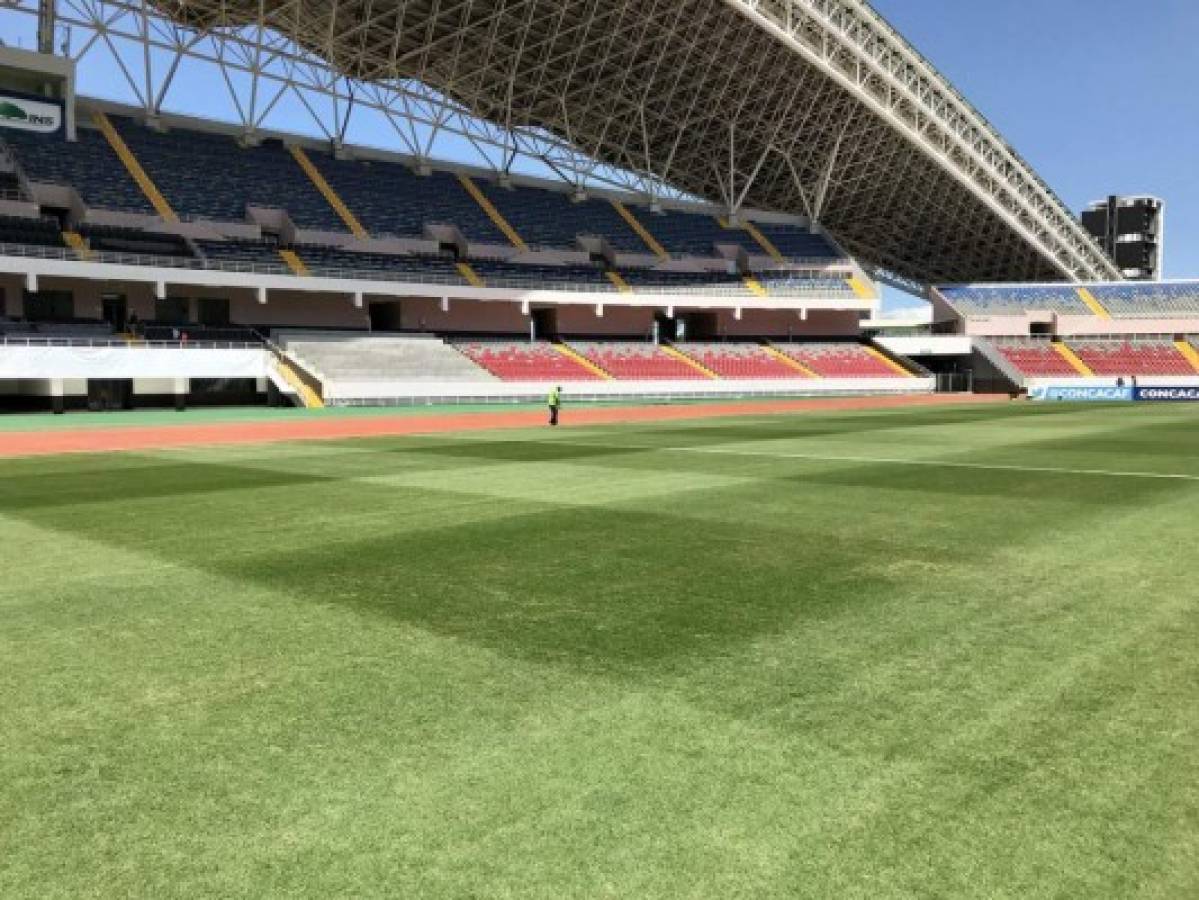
<point>1168,394</point>
<point>1082,394</point>
<point>26,114</point>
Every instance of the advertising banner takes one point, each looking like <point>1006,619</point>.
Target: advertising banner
<point>25,114</point>
<point>1101,394</point>
<point>1167,394</point>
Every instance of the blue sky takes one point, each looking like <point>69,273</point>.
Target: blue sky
<point>1100,96</point>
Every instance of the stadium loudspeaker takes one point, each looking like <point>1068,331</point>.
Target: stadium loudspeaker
<point>599,310</point>
<point>160,290</point>
<point>737,313</point>
<point>445,304</point>
<point>262,296</point>
<point>357,300</point>
<point>31,283</point>
<point>670,312</point>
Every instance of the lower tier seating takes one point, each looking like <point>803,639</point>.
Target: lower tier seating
<point>525,361</point>
<point>134,241</point>
<point>1137,357</point>
<point>839,360</point>
<point>627,360</point>
<point>739,360</point>
<point>35,232</point>
<point>383,357</point>
<point>1036,358</point>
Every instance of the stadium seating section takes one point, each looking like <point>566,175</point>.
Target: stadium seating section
<point>739,361</point>
<point>210,176</point>
<point>552,219</point>
<point>526,361</point>
<point>89,165</point>
<point>839,360</point>
<point>1132,357</point>
<point>30,232</point>
<point>626,360</point>
<point>1035,358</point>
<point>383,358</point>
<point>1016,301</point>
<point>1137,299</point>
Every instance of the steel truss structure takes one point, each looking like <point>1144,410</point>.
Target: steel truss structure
<point>816,107</point>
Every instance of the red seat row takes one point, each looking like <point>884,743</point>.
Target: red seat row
<point>839,360</point>
<point>740,361</point>
<point>515,361</point>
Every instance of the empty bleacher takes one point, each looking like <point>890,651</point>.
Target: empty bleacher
<point>739,360</point>
<point>19,230</point>
<point>354,357</point>
<point>335,262</point>
<point>792,283</point>
<point>511,360</point>
<point>87,164</point>
<point>1035,358</point>
<point>797,243</point>
<point>252,255</point>
<point>1148,300</point>
<point>553,219</point>
<point>133,241</point>
<point>539,277</point>
<point>839,360</point>
<point>204,175</point>
<point>639,361</point>
<point>691,234</point>
<point>1009,300</point>
<point>390,199</point>
<point>660,281</point>
<point>1139,356</point>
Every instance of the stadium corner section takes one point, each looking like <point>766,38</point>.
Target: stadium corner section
<point>332,426</point>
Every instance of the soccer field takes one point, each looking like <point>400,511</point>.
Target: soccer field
<point>936,652</point>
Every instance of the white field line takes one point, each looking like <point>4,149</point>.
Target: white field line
<point>872,460</point>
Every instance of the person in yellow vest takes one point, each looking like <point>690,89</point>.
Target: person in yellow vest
<point>555,402</point>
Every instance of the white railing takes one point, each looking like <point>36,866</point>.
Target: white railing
<point>33,251</point>
<point>109,342</point>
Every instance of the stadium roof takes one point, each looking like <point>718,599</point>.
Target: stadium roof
<point>815,107</point>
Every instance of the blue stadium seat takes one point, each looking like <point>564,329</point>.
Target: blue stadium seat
<point>87,164</point>
<point>210,176</point>
<point>552,219</point>
<point>390,199</point>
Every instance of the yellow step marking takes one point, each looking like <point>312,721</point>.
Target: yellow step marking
<point>859,287</point>
<point>136,172</point>
<point>492,213</point>
<point>756,287</point>
<point>297,265</point>
<point>1072,358</point>
<point>571,353</point>
<point>693,363</point>
<point>764,242</point>
<point>1092,304</point>
<point>888,362</point>
<point>617,279</point>
<point>790,361</point>
<point>752,230</point>
<point>310,398</point>
<point>467,271</point>
<point>642,232</point>
<point>1189,351</point>
<point>326,190</point>
<point>76,242</point>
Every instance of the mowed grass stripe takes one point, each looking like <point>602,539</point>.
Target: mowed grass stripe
<point>517,667</point>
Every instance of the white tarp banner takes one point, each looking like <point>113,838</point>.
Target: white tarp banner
<point>130,362</point>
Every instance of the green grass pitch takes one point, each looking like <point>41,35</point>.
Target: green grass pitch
<point>947,652</point>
